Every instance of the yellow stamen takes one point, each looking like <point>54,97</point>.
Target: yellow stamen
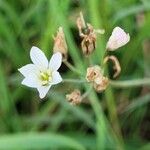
<point>45,77</point>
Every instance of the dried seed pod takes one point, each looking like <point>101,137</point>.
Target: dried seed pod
<point>116,67</point>
<point>94,73</point>
<point>74,98</point>
<point>60,44</point>
<point>96,77</point>
<point>88,43</point>
<point>102,85</point>
<point>88,35</point>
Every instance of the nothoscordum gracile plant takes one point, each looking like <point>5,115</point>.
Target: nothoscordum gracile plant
<point>42,74</point>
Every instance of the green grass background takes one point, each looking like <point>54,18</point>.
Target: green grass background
<point>117,119</point>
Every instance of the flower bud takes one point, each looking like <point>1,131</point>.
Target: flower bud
<point>117,39</point>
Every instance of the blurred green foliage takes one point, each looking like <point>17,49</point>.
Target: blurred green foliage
<point>116,119</point>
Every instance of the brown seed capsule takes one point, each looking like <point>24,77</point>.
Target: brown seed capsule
<point>96,77</point>
<point>74,98</point>
<point>88,35</point>
<point>88,41</point>
<point>94,73</point>
<point>60,44</point>
<point>102,85</point>
<point>116,67</point>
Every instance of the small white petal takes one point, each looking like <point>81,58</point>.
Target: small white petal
<point>118,39</point>
<point>43,90</point>
<point>55,61</point>
<point>31,81</point>
<point>56,78</point>
<point>28,69</point>
<point>38,58</point>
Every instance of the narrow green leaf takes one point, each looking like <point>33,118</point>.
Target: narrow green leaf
<point>38,141</point>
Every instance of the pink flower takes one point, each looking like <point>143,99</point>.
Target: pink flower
<point>117,39</point>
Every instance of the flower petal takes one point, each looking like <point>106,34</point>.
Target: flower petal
<point>28,69</point>
<point>31,81</point>
<point>56,78</point>
<point>55,61</point>
<point>118,39</point>
<point>43,90</point>
<point>38,58</point>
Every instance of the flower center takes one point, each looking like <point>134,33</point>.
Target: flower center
<point>45,77</point>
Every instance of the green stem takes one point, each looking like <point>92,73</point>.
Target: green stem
<point>72,68</point>
<point>74,81</point>
<point>114,117</point>
<point>130,83</point>
<point>87,92</point>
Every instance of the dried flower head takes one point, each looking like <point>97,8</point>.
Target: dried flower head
<point>116,67</point>
<point>94,73</point>
<point>117,39</point>
<point>96,77</point>
<point>102,85</point>
<point>74,98</point>
<point>88,35</point>
<point>60,44</point>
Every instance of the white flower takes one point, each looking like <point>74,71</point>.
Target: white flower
<point>117,39</point>
<point>41,74</point>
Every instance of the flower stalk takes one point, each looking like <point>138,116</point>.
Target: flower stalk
<point>71,67</point>
<point>130,83</point>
